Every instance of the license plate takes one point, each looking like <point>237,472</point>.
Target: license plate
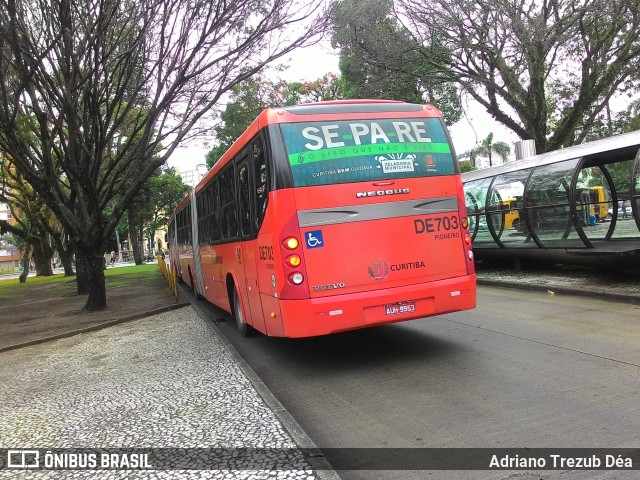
<point>399,308</point>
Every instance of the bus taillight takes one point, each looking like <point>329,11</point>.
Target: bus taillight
<point>467,239</point>
<point>465,223</point>
<point>291,243</point>
<point>293,261</point>
<point>296,278</point>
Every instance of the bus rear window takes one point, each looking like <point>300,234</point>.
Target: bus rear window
<point>323,153</point>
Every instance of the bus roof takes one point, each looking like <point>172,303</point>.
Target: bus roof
<point>322,111</point>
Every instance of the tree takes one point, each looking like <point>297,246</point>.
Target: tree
<point>248,99</point>
<point>163,192</point>
<point>253,95</point>
<point>326,88</point>
<point>629,120</point>
<point>555,63</point>
<point>380,59</point>
<point>110,89</point>
<point>488,147</point>
<point>466,166</point>
<point>32,218</point>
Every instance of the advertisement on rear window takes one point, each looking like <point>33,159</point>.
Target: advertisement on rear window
<point>322,153</point>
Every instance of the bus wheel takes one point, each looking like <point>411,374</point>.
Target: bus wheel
<point>244,329</point>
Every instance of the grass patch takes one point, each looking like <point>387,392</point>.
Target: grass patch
<point>126,276</point>
<point>58,284</point>
<point>10,272</point>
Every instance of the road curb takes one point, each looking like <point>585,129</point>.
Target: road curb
<point>93,328</point>
<point>550,287</point>
<point>320,464</point>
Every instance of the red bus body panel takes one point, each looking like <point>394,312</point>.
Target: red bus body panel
<point>385,258</point>
<point>321,316</point>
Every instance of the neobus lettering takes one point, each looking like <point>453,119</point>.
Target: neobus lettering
<point>379,193</point>
<point>327,136</point>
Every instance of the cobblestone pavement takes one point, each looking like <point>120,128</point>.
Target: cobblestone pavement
<point>166,381</point>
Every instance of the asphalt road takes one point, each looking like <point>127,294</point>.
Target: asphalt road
<point>525,369</point>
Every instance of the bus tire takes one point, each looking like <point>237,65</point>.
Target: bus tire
<point>244,329</point>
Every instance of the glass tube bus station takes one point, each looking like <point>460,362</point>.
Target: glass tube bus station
<point>579,205</point>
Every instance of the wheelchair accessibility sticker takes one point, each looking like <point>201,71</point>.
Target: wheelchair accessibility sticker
<point>314,239</point>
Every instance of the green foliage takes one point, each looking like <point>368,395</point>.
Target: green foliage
<point>164,192</point>
<point>466,166</point>
<point>545,70</point>
<point>249,98</point>
<point>629,120</point>
<point>252,96</point>
<point>33,219</point>
<point>380,59</point>
<point>621,176</point>
<point>608,123</point>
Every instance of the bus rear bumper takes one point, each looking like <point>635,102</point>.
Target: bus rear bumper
<point>337,313</point>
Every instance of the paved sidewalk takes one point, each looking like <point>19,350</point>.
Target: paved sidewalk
<point>564,280</point>
<point>165,381</point>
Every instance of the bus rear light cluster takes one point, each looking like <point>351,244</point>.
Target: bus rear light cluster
<point>465,222</point>
<point>467,239</point>
<point>294,260</point>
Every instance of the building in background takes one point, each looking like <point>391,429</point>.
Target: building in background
<point>193,177</point>
<point>5,214</point>
<point>483,162</point>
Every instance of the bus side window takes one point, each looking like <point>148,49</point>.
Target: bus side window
<point>216,234</point>
<point>228,218</point>
<point>261,181</point>
<point>244,198</point>
<point>189,231</point>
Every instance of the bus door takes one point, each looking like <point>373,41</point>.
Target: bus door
<point>246,250</point>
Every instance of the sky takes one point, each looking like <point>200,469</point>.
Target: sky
<point>313,62</point>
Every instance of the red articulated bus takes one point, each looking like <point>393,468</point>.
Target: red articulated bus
<point>328,217</point>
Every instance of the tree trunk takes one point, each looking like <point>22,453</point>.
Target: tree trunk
<point>142,245</point>
<point>66,257</point>
<point>82,278</point>
<point>97,299</point>
<point>25,269</point>
<point>134,235</point>
<point>65,249</point>
<point>42,258</point>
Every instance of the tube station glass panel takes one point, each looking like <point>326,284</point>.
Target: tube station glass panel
<point>621,214</point>
<point>475,198</point>
<point>506,210</point>
<point>547,202</point>
<point>636,189</point>
<point>593,198</point>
